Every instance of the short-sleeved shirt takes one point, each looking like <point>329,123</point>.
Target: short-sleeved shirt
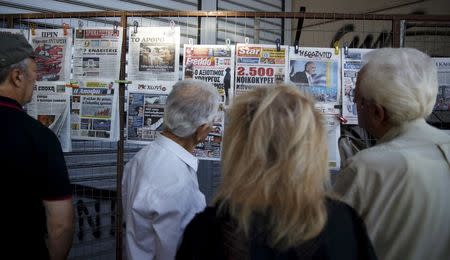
<point>33,169</point>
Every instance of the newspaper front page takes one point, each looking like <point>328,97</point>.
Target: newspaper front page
<point>443,97</point>
<point>211,147</point>
<point>333,127</point>
<point>50,105</point>
<point>213,64</point>
<point>53,49</point>
<point>352,62</point>
<point>94,111</point>
<point>97,53</point>
<point>154,54</point>
<point>317,71</point>
<point>145,112</point>
<point>259,65</point>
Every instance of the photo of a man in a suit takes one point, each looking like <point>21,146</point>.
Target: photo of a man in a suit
<point>305,76</point>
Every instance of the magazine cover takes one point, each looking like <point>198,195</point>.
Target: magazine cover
<point>53,49</point>
<point>50,105</point>
<point>443,96</point>
<point>317,71</point>
<point>154,53</point>
<point>352,62</point>
<point>97,53</point>
<point>259,65</point>
<point>213,64</point>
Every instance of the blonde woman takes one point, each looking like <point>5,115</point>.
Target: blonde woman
<point>272,202</point>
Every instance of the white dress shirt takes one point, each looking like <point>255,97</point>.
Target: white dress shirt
<point>160,197</point>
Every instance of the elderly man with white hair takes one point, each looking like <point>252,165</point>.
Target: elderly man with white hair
<point>160,187</point>
<point>401,186</point>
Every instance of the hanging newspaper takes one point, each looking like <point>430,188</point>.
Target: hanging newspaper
<point>154,54</point>
<point>213,64</point>
<point>145,112</point>
<point>94,111</point>
<point>97,53</point>
<point>211,147</point>
<point>443,97</point>
<point>53,53</point>
<point>24,32</point>
<point>352,62</point>
<point>50,105</point>
<point>317,71</point>
<point>259,65</point>
<point>334,132</point>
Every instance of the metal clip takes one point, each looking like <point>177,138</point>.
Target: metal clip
<point>346,49</point>
<point>191,43</point>
<point>246,40</point>
<point>80,24</point>
<point>116,28</point>
<point>135,27</point>
<point>277,43</point>
<point>296,49</point>
<point>228,42</point>
<point>336,47</point>
<point>172,25</point>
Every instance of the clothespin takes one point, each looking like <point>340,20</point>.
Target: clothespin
<point>277,43</point>
<point>65,29</point>
<point>172,25</point>
<point>135,27</point>
<point>346,49</point>
<point>33,29</point>
<point>116,28</point>
<point>336,47</point>
<point>296,49</point>
<point>191,43</point>
<point>342,119</point>
<point>246,40</point>
<point>228,42</point>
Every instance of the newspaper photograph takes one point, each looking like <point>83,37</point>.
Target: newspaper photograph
<point>53,49</point>
<point>317,71</point>
<point>213,64</point>
<point>334,132</point>
<point>259,65</point>
<point>443,96</point>
<point>154,54</point>
<point>50,105</point>
<point>94,111</point>
<point>145,111</point>
<point>97,53</point>
<point>352,62</point>
<point>211,147</point>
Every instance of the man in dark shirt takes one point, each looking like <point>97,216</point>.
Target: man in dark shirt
<point>36,193</point>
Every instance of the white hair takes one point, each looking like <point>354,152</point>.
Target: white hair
<point>403,81</point>
<point>190,104</point>
<point>21,65</point>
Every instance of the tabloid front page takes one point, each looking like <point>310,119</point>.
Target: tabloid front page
<point>154,54</point>
<point>211,147</point>
<point>333,133</point>
<point>145,112</point>
<point>97,53</point>
<point>352,62</point>
<point>213,64</point>
<point>53,53</point>
<point>94,111</point>
<point>50,105</point>
<point>259,65</point>
<point>443,97</point>
<point>317,71</point>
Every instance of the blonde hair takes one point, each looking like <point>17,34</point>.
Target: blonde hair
<point>275,163</point>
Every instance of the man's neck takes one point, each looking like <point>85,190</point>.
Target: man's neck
<point>6,92</point>
<point>187,143</point>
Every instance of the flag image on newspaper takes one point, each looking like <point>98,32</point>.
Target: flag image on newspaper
<point>443,96</point>
<point>213,64</point>
<point>53,53</point>
<point>352,62</point>
<point>145,110</point>
<point>259,65</point>
<point>317,71</point>
<point>154,54</point>
<point>50,105</point>
<point>97,53</point>
<point>94,111</point>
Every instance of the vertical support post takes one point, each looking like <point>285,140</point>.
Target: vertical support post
<point>121,142</point>
<point>10,21</point>
<point>208,33</point>
<point>395,33</point>
<point>256,30</point>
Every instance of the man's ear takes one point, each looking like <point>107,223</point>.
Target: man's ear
<point>379,114</point>
<point>16,77</point>
<point>202,132</point>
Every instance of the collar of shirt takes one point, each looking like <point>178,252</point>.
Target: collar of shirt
<point>398,130</point>
<point>11,103</point>
<point>177,149</point>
